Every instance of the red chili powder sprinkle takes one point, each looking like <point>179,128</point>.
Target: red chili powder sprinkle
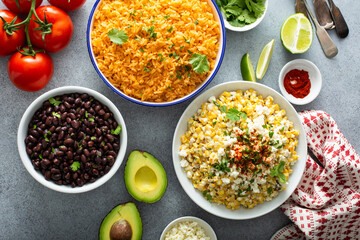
<point>297,83</point>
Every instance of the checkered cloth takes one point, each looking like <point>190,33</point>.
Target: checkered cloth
<point>326,203</point>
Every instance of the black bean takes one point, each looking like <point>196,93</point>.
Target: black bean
<point>32,138</point>
<point>57,162</point>
<point>56,176</point>
<point>69,141</point>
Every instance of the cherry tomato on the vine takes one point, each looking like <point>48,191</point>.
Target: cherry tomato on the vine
<point>10,43</point>
<point>61,30</point>
<point>22,8</point>
<point>67,5</point>
<point>30,73</point>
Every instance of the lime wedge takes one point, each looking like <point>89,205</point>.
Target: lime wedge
<point>264,60</point>
<point>296,33</point>
<point>247,69</point>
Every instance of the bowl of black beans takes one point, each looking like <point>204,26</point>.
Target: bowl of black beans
<point>72,139</point>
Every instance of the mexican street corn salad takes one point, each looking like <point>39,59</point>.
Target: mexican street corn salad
<point>239,149</point>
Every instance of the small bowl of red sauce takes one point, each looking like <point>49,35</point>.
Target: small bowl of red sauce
<point>300,81</point>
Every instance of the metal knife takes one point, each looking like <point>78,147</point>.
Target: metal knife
<point>300,8</point>
<point>341,27</point>
<point>323,14</point>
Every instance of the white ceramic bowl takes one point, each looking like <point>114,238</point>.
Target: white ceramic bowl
<point>207,228</point>
<point>219,58</point>
<point>298,168</point>
<point>246,27</point>
<point>314,75</point>
<point>23,128</point>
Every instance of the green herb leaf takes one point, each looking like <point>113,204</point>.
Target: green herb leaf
<point>269,190</point>
<point>235,115</point>
<point>223,108</point>
<point>170,29</point>
<point>92,138</point>
<point>118,37</point>
<point>54,102</point>
<point>117,130</point>
<point>147,69</point>
<point>277,171</point>
<point>271,134</point>
<point>166,17</point>
<point>199,63</point>
<point>91,119</point>
<point>75,166</point>
<point>196,21</point>
<point>55,114</point>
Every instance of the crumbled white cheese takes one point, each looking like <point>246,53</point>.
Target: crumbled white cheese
<point>186,230</point>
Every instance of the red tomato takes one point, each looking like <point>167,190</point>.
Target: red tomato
<point>9,43</point>
<point>61,30</point>
<point>23,4</point>
<point>67,5</point>
<point>30,73</point>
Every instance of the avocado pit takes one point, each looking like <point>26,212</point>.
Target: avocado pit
<point>121,230</point>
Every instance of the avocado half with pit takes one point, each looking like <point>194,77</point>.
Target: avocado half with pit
<point>122,223</point>
<point>145,177</point>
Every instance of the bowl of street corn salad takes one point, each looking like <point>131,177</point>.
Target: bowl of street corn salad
<point>239,150</point>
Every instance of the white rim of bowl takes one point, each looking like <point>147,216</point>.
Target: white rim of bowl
<point>23,127</point>
<point>220,56</point>
<point>287,68</point>
<point>179,172</point>
<point>189,218</point>
<point>246,27</point>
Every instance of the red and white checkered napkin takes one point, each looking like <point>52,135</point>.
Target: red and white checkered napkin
<point>326,203</point>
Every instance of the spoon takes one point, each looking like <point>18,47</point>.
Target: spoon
<point>341,27</point>
<point>300,8</point>
<point>327,44</point>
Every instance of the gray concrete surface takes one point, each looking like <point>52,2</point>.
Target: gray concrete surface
<point>30,211</point>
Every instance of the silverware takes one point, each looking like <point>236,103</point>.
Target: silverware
<point>327,45</point>
<point>300,8</point>
<point>323,14</point>
<point>341,27</point>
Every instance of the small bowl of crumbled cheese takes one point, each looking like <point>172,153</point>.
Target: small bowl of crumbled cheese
<point>188,228</point>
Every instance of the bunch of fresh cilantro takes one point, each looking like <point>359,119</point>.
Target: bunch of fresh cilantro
<point>241,12</point>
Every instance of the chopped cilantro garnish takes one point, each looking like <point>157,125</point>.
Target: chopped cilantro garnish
<point>40,156</point>
<point>86,114</point>
<point>141,50</point>
<point>54,102</point>
<point>235,115</point>
<point>269,190</point>
<point>186,40</point>
<point>118,37</point>
<point>151,31</point>
<point>170,29</point>
<point>75,166</point>
<point>117,130</point>
<point>223,109</point>
<point>196,21</point>
<point>55,114</point>
<point>216,104</point>
<point>91,119</point>
<point>171,45</point>
<point>199,63</point>
<point>147,69</point>
<point>222,166</point>
<point>166,17</point>
<point>282,129</point>
<point>92,138</point>
<point>271,134</point>
<point>277,171</point>
<point>34,127</point>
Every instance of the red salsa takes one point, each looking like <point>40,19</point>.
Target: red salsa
<point>297,83</point>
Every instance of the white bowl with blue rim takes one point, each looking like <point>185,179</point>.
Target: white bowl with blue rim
<point>219,58</point>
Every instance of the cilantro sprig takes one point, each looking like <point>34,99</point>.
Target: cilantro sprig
<point>277,171</point>
<point>54,102</point>
<point>199,63</point>
<point>117,36</point>
<point>235,115</point>
<point>75,166</point>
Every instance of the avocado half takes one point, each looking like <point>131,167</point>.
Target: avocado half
<point>118,214</point>
<point>145,177</point>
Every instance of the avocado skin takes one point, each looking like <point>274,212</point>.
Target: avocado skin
<point>127,211</point>
<point>136,159</point>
